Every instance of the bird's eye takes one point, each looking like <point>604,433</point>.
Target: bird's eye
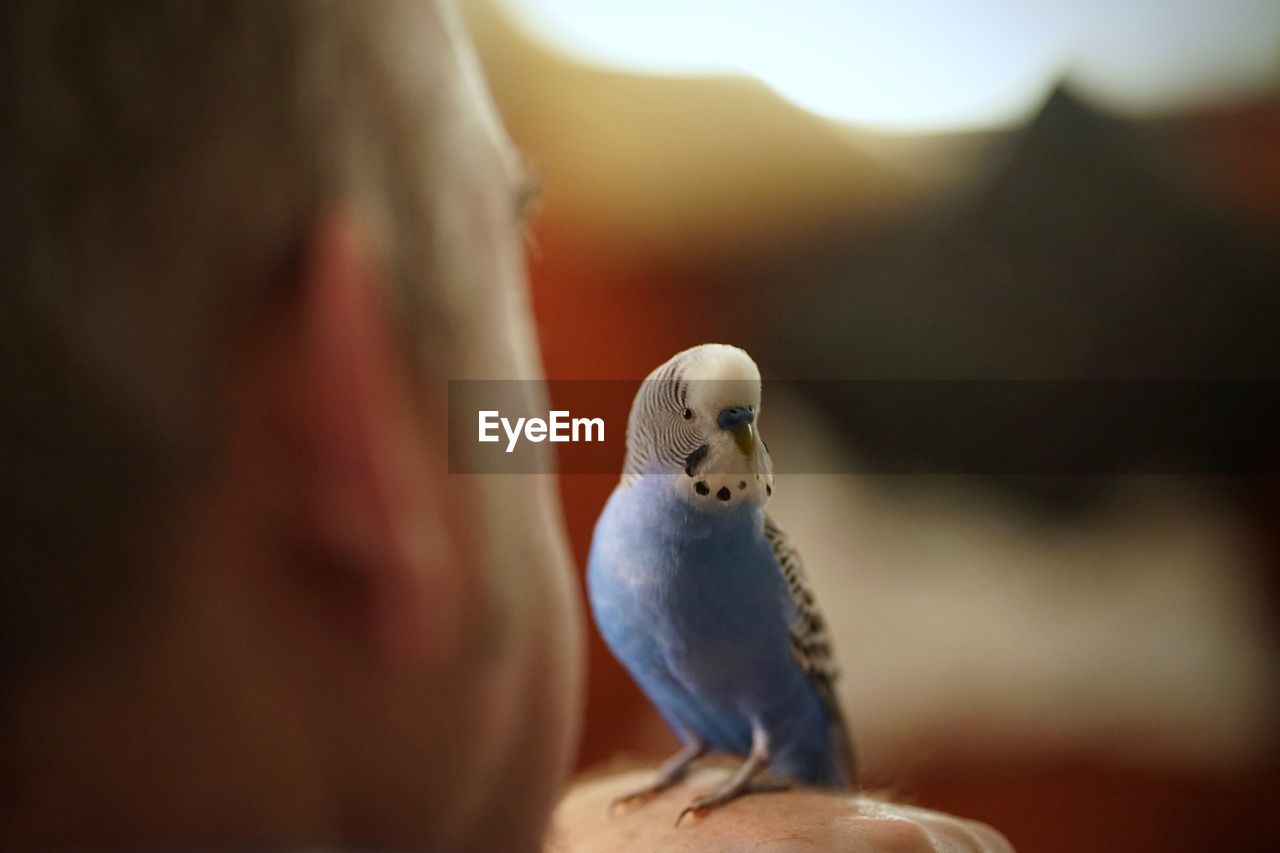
<point>688,414</point>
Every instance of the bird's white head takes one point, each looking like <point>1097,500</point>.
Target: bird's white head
<point>697,419</point>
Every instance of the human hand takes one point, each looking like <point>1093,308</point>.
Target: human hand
<point>795,821</point>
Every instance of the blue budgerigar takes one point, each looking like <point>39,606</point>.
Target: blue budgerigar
<point>700,595</point>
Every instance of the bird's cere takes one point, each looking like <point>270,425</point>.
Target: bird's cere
<point>558,426</point>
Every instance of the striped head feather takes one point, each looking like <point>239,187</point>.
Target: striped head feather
<point>696,419</point>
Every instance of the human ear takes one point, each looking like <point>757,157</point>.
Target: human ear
<point>371,521</point>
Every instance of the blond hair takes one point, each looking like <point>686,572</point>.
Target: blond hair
<point>163,162</point>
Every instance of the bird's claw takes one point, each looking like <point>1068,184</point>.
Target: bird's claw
<point>705,805</point>
<point>701,807</point>
<point>689,810</point>
<point>634,800</point>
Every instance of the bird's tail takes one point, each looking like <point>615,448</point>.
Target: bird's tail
<point>844,757</point>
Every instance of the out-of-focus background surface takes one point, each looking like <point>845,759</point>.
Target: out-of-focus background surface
<point>994,191</point>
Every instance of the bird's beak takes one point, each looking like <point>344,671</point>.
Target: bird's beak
<point>745,437</point>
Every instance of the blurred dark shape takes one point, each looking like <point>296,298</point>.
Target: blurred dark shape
<point>1085,255</point>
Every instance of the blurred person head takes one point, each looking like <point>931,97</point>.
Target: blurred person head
<point>246,244</point>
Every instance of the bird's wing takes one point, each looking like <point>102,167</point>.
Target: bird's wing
<point>810,641</point>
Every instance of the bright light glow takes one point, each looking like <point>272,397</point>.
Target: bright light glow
<point>929,64</point>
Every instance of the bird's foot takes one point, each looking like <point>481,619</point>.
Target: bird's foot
<point>742,782</point>
<point>705,805</point>
<point>635,799</point>
<point>769,786</point>
<point>672,773</point>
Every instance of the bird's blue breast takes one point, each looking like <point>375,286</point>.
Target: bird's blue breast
<point>691,600</point>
